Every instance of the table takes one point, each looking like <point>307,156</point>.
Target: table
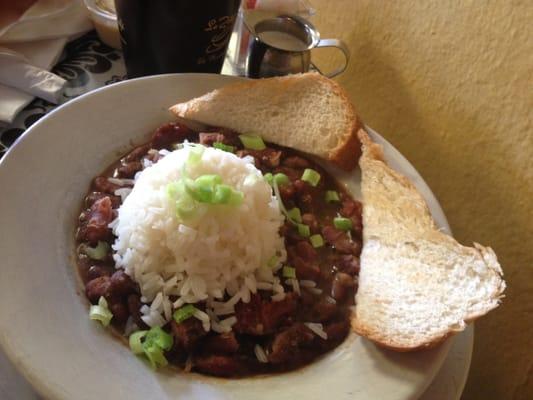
<point>88,64</point>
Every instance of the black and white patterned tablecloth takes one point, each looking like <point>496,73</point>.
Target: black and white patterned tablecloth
<point>86,64</point>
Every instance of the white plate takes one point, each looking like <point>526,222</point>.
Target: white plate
<point>447,385</point>
<point>44,327</point>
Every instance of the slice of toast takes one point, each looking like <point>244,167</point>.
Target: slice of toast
<point>417,285</point>
<point>307,112</point>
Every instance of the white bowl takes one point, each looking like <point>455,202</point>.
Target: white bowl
<point>105,23</point>
<point>44,328</point>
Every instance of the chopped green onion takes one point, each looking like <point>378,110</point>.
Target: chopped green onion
<point>289,272</point>
<point>332,196</point>
<point>100,312</point>
<point>222,194</point>
<point>158,336</point>
<point>273,261</point>
<point>224,147</point>
<point>190,187</point>
<point>152,343</point>
<point>316,241</point>
<point>303,230</point>
<point>175,189</point>
<point>252,142</point>
<point>344,224</point>
<point>236,198</point>
<point>311,176</point>
<point>135,340</point>
<point>281,179</point>
<point>195,154</point>
<point>186,207</point>
<point>155,355</point>
<point>184,313</point>
<point>208,180</point>
<point>295,214</point>
<point>268,178</point>
<point>205,189</point>
<point>96,253</point>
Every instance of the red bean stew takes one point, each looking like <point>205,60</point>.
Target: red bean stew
<point>325,259</point>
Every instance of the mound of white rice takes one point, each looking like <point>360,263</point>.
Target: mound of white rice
<point>220,256</point>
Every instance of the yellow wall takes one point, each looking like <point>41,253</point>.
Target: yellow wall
<point>450,84</point>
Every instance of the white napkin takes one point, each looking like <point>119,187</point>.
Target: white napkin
<point>25,58</point>
<point>18,72</point>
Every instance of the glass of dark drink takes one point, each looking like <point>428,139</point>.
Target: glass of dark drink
<point>163,36</point>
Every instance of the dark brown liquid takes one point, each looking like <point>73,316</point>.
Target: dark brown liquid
<point>164,36</point>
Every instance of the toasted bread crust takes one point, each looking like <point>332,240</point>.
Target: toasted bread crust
<point>391,344</point>
<point>346,154</point>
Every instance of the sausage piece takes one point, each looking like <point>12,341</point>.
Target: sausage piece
<point>102,184</point>
<point>341,241</point>
<point>97,287</point>
<point>187,333</point>
<point>287,344</point>
<point>95,196</point>
<point>170,133</point>
<point>128,170</point>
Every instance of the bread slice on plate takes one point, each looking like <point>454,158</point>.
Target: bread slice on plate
<point>417,285</point>
<point>307,112</point>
